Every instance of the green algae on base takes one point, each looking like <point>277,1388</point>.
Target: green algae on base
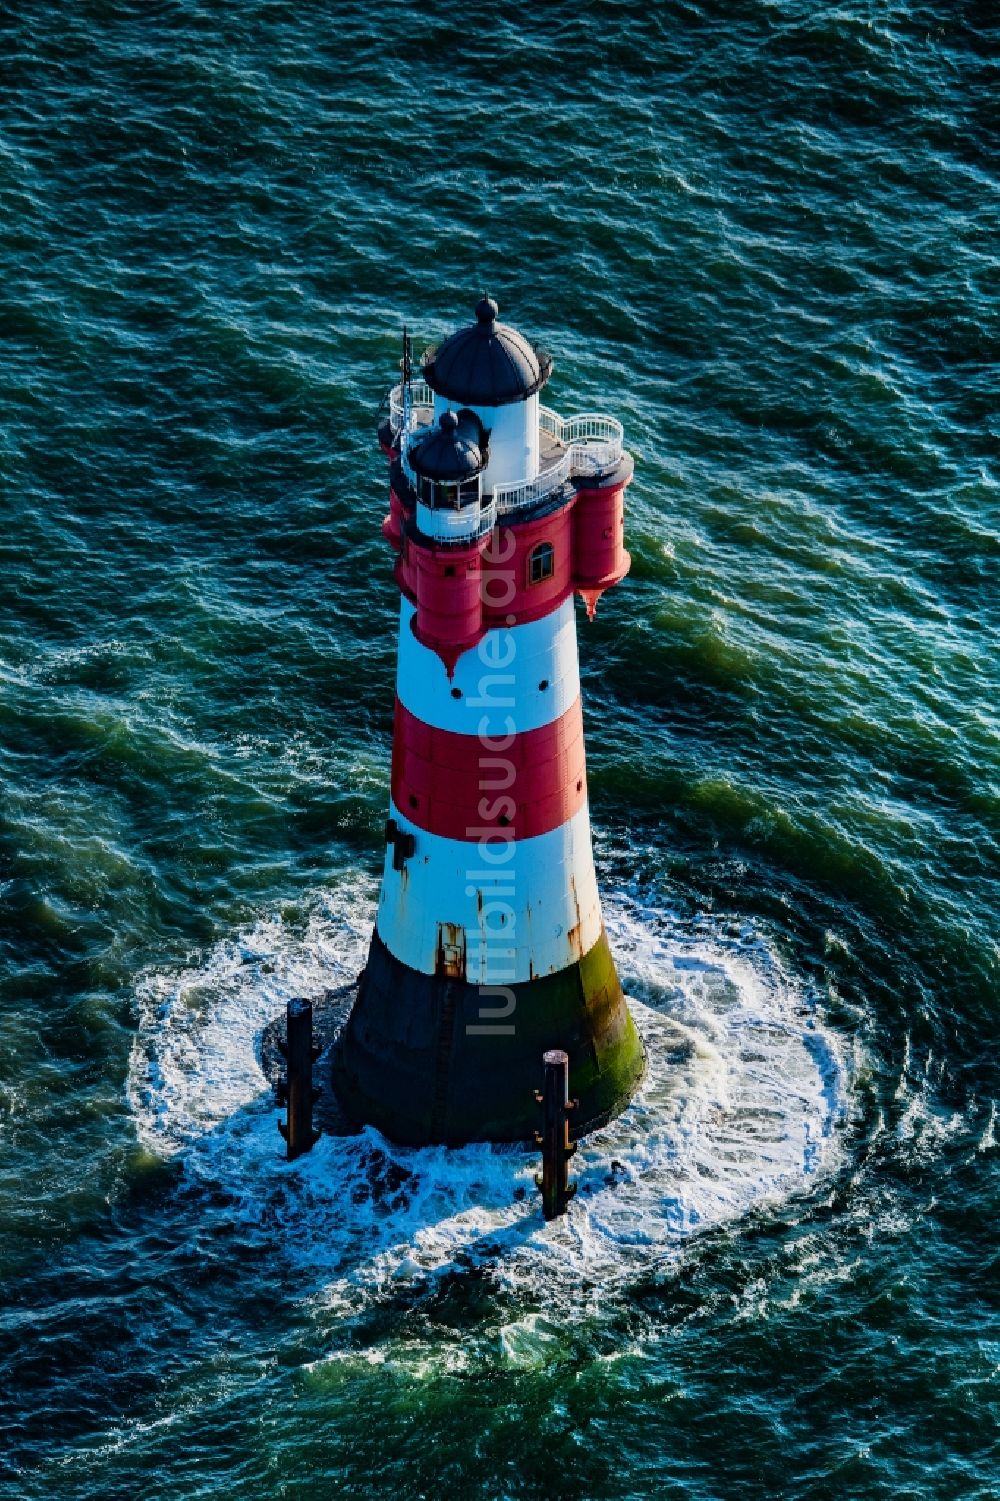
<point>428,1059</point>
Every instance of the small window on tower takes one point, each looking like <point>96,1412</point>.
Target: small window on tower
<point>541,564</point>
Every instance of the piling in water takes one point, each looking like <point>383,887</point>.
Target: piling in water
<point>297,1088</point>
<point>554,1138</point>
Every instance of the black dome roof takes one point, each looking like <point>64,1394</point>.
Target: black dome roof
<point>452,450</point>
<point>487,364</point>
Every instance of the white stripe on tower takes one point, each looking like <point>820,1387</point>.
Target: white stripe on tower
<point>501,831</point>
<point>538,681</point>
<point>548,885</point>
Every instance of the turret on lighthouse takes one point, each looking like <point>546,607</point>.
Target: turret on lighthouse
<point>489,945</point>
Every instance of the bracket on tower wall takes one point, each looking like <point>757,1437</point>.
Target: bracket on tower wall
<point>404,844</point>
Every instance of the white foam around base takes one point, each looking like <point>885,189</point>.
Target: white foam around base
<point>194,1058</point>
<point>744,1092</point>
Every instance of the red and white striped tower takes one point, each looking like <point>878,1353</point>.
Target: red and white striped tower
<point>489,946</point>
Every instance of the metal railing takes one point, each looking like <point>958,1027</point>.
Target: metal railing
<point>421,395</point>
<point>598,439</point>
<point>591,443</point>
<point>530,491</point>
<point>487,521</point>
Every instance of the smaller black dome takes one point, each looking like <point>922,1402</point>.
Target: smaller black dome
<point>486,364</point>
<point>452,451</point>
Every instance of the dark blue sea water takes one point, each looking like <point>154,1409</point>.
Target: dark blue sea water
<point>764,235</point>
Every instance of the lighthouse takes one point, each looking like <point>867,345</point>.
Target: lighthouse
<point>489,945</point>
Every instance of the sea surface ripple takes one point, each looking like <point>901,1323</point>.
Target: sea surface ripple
<point>764,235</point>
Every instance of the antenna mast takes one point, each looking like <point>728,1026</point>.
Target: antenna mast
<point>406,365</point>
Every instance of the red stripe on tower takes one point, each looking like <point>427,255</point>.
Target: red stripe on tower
<point>537,778</point>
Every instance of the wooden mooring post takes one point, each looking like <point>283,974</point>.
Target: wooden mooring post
<point>296,1090</point>
<point>554,1137</point>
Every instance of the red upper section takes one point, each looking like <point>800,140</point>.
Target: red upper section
<point>599,556</point>
<point>523,571</point>
<point>446,583</point>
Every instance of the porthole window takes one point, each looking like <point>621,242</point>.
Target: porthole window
<point>541,563</point>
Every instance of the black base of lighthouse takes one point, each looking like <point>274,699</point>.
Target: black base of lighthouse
<point>427,1058</point>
